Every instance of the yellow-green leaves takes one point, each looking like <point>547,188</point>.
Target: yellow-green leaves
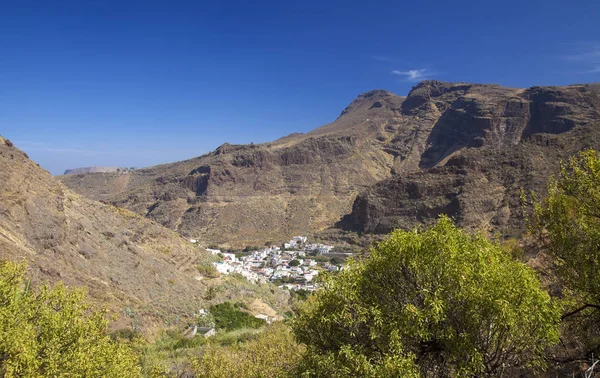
<point>272,354</point>
<point>52,333</point>
<point>439,302</point>
<point>568,221</point>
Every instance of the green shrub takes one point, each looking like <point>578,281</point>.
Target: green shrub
<point>208,270</point>
<point>439,302</point>
<point>51,332</point>
<point>273,353</point>
<point>229,317</point>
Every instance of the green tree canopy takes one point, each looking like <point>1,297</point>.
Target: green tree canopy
<point>568,222</point>
<point>439,302</point>
<point>52,333</point>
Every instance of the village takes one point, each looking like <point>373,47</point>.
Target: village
<point>294,265</point>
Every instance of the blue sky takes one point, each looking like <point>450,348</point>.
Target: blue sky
<point>99,82</point>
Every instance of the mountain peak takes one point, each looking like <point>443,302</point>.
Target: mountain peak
<point>371,98</point>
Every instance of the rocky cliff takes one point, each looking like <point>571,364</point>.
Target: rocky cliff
<point>457,148</point>
<point>485,144</point>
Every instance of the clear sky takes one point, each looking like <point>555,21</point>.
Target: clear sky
<point>125,83</point>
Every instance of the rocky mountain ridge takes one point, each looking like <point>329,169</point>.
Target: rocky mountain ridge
<point>387,161</point>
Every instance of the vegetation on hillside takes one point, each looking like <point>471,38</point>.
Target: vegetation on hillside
<point>274,353</point>
<point>51,332</point>
<point>230,316</point>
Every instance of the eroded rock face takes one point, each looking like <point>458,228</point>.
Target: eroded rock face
<point>456,148</point>
<point>487,145</point>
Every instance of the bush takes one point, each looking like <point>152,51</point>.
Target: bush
<point>273,353</point>
<point>229,317</point>
<point>52,332</point>
<point>439,302</point>
<point>208,270</point>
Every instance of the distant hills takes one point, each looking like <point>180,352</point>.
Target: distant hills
<point>93,170</point>
<point>387,161</point>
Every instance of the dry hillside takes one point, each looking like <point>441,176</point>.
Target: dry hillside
<point>126,261</point>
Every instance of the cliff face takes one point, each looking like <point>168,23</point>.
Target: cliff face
<point>125,261</point>
<point>485,144</point>
<point>457,148</point>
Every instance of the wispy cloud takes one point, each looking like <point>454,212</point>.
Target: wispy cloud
<point>586,55</point>
<point>414,75</point>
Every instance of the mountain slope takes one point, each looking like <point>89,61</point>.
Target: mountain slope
<point>459,148</point>
<point>126,262</point>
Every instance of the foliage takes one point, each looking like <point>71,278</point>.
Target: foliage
<point>295,262</point>
<point>51,332</point>
<point>300,294</point>
<point>568,221</point>
<point>439,302</point>
<point>208,270</point>
<point>229,316</point>
<point>273,353</point>
<point>336,260</point>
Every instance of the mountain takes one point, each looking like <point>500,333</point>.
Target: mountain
<point>387,161</point>
<point>127,262</point>
<point>485,144</point>
<point>92,170</point>
<point>251,194</point>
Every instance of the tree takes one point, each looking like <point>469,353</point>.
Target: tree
<point>439,302</point>
<point>568,223</point>
<point>51,332</point>
<point>295,262</point>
